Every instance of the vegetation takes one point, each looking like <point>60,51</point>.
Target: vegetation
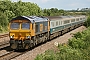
<point>53,12</point>
<point>9,9</point>
<point>87,23</point>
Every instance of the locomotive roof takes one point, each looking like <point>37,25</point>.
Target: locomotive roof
<point>32,19</point>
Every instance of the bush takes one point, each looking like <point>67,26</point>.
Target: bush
<point>76,43</point>
<point>68,53</point>
<point>87,23</point>
<point>48,55</point>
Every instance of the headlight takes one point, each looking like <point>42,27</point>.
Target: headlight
<point>28,37</point>
<point>11,36</point>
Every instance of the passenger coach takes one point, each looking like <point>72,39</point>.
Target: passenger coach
<point>62,24</point>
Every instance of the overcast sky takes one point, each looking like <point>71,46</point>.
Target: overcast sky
<point>61,4</point>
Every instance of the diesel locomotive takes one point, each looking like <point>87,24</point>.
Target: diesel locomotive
<point>27,31</point>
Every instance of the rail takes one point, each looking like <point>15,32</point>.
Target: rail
<point>11,55</point>
<point>4,35</point>
<point>4,42</point>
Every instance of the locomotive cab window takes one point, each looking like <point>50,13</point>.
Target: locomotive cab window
<point>15,25</point>
<point>25,25</point>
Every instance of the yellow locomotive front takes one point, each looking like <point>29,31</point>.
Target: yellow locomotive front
<point>20,33</point>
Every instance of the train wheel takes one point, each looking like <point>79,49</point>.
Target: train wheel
<point>27,46</point>
<point>31,43</point>
<point>36,42</point>
<point>13,46</point>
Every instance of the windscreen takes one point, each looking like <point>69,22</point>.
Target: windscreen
<point>15,25</point>
<point>25,25</point>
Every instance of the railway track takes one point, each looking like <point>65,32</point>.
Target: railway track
<point>10,55</point>
<point>4,41</point>
<point>4,35</point>
<point>2,45</point>
<point>7,53</point>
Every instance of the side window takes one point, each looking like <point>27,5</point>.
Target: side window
<point>77,19</point>
<point>73,20</point>
<point>52,23</point>
<point>59,22</point>
<point>84,18</point>
<point>80,18</point>
<point>56,23</point>
<point>66,21</point>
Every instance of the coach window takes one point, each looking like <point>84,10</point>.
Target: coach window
<point>56,23</point>
<point>77,19</point>
<point>73,20</point>
<point>66,21</point>
<point>80,18</point>
<point>83,18</point>
<point>52,23</point>
<point>59,22</point>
